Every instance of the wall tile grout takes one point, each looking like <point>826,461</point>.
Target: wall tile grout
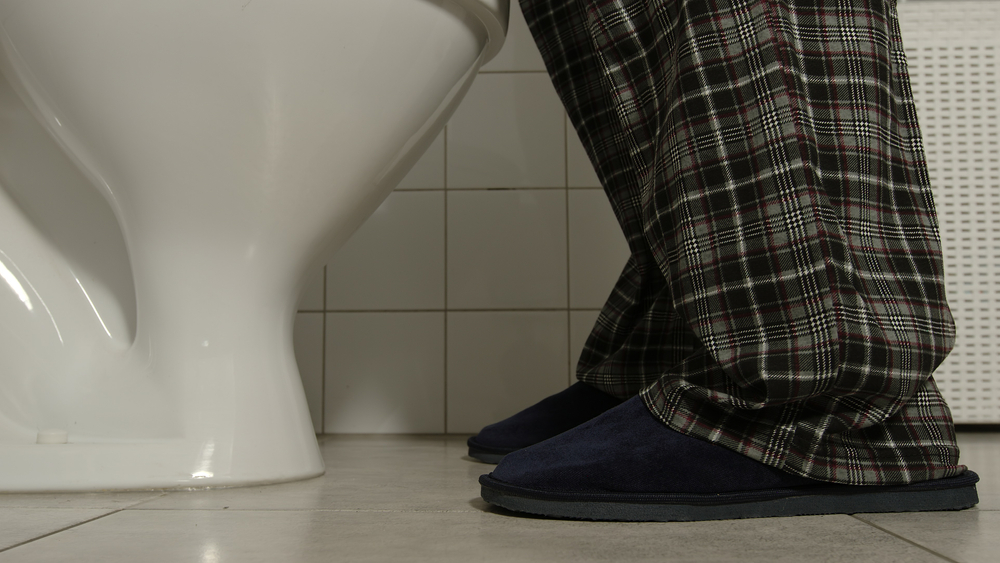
<point>513,72</point>
<point>461,310</point>
<point>569,269</point>
<point>445,186</point>
<point>322,399</point>
<point>444,415</point>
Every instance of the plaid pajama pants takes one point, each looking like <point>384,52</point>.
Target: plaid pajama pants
<point>784,296</point>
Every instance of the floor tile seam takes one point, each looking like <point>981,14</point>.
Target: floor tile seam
<point>905,539</point>
<point>67,508</point>
<point>336,510</point>
<point>61,530</point>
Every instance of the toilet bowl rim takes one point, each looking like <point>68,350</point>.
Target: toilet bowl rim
<point>495,16</point>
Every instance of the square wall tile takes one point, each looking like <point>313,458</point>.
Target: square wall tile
<point>428,172</point>
<point>502,362</point>
<point>581,323</point>
<point>519,52</point>
<point>396,259</point>
<point>508,133</point>
<point>384,373</point>
<point>311,298</point>
<point>597,249</point>
<point>507,249</point>
<point>309,357</point>
<point>579,170</point>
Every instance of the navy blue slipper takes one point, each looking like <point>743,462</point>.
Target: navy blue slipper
<point>625,465</point>
<point>550,417</point>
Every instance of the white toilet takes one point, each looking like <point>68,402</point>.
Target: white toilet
<point>236,144</point>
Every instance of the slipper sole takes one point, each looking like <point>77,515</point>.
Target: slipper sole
<point>954,493</point>
<point>487,454</point>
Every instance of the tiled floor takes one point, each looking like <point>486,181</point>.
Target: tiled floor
<point>404,498</point>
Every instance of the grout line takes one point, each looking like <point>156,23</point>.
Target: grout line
<point>569,271</point>
<point>907,540</point>
<point>60,530</point>
<point>511,189</point>
<point>459,310</point>
<point>444,415</point>
<point>513,72</point>
<point>338,510</point>
<point>322,386</point>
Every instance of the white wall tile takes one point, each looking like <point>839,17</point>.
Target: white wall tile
<point>396,259</point>
<point>506,249</point>
<point>428,172</point>
<point>579,170</point>
<point>508,133</point>
<point>385,373</point>
<point>597,249</point>
<point>311,298</point>
<point>580,325</point>
<point>309,356</point>
<point>500,363</point>
<point>519,51</point>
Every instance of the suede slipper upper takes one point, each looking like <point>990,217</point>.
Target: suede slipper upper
<point>627,465</point>
<point>550,417</point>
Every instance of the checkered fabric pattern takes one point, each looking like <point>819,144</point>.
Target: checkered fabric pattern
<point>784,297</point>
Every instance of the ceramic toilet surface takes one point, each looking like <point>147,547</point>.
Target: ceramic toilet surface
<point>237,143</point>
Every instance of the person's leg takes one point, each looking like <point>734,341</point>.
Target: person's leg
<point>785,199</point>
<point>637,336</point>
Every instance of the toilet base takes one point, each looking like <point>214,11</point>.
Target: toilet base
<point>130,466</point>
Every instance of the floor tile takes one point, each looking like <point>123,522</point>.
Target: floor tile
<point>410,473</point>
<point>22,524</point>
<point>105,501</point>
<point>968,536</point>
<point>980,452</point>
<point>233,535</point>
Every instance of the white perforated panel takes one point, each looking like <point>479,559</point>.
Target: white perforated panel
<point>952,48</point>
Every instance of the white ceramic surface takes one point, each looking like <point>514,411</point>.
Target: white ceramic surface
<point>597,249</point>
<point>579,171</point>
<point>507,249</point>
<point>395,261</point>
<point>386,372</point>
<point>519,53</point>
<point>237,144</point>
<point>580,325</point>
<point>308,344</point>
<point>313,291</point>
<point>428,172</point>
<point>509,133</point>
<point>502,362</point>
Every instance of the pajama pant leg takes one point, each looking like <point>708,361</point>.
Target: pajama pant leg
<point>784,297</point>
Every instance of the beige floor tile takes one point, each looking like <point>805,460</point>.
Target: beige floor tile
<point>981,453</point>
<point>362,472</point>
<point>109,501</point>
<point>233,535</point>
<point>22,524</point>
<point>968,536</point>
